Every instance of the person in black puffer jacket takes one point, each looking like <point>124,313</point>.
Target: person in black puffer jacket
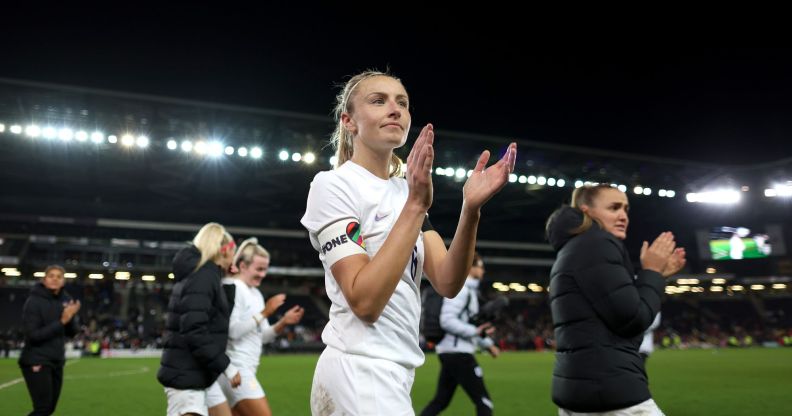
<point>197,323</point>
<point>48,319</point>
<point>600,309</point>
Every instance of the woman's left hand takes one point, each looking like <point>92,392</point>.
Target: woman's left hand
<point>484,183</point>
<point>675,263</point>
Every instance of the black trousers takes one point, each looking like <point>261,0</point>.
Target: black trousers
<point>459,369</point>
<point>44,385</point>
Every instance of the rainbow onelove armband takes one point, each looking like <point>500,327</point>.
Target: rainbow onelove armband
<point>341,239</point>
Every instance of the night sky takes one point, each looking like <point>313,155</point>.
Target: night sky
<point>729,106</point>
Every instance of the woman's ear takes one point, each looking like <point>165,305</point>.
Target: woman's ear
<point>584,208</point>
<point>348,123</point>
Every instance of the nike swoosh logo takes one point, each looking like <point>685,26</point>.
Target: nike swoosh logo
<point>378,217</point>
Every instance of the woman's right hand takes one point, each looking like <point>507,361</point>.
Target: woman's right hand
<point>69,310</point>
<point>273,304</point>
<point>655,256</point>
<point>236,380</point>
<point>419,169</point>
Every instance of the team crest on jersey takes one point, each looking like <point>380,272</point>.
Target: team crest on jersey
<point>353,232</point>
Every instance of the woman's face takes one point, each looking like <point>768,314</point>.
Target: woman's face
<point>53,280</point>
<point>609,209</point>
<point>380,117</point>
<point>255,272</point>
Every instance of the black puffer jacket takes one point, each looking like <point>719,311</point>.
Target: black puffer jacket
<point>196,325</point>
<point>45,335</point>
<point>600,312</point>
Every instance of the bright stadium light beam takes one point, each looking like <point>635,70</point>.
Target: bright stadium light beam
<point>33,131</point>
<point>112,139</point>
<point>65,134</point>
<point>309,158</point>
<point>296,157</point>
<point>186,146</point>
<point>16,129</point>
<point>242,151</point>
<point>97,137</point>
<point>256,153</point>
<point>541,180</point>
<point>229,150</point>
<point>127,140</point>
<point>214,149</point>
<point>172,145</point>
<point>142,142</point>
<point>718,197</point>
<point>283,155</point>
<point>81,136</point>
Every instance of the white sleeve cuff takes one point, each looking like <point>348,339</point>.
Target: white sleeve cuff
<point>230,371</point>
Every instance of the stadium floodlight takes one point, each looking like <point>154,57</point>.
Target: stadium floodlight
<point>711,270</point>
<point>720,197</point>
<point>309,158</point>
<point>661,193</point>
<point>171,276</point>
<point>647,191</point>
<point>65,134</point>
<point>512,178</point>
<point>49,132</point>
<point>172,145</point>
<point>579,184</point>
<point>561,183</point>
<point>96,276</point>
<point>638,190</point>
<point>214,149</point>
<point>112,139</point>
<point>736,288</point>
<point>142,142</point>
<point>81,135</point>
<point>2,127</point>
<point>33,130</point>
<point>333,160</point>
<point>469,173</point>
<point>531,179</point>
<point>779,190</point>
<point>122,275</point>
<point>670,194</point>
<point>70,275</point>
<point>200,147</point>
<point>16,129</point>
<point>449,171</point>
<point>460,173</point>
<point>438,171</point>
<point>296,157</point>
<point>718,281</point>
<point>551,182</point>
<point>256,153</point>
<point>242,151</point>
<point>186,146</point>
<point>283,155</point>
<point>779,286</point>
<point>148,278</point>
<point>757,287</point>
<point>97,137</point>
<point>541,180</point>
<point>13,273</point>
<point>522,179</point>
<point>127,140</point>
<point>229,150</point>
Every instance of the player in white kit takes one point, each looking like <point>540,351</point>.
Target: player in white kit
<point>248,329</point>
<point>370,228</point>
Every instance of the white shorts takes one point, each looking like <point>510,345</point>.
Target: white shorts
<point>647,408</point>
<point>181,402</point>
<point>214,394</point>
<point>348,384</point>
<point>249,389</point>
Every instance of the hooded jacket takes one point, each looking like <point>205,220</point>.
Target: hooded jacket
<point>600,311</point>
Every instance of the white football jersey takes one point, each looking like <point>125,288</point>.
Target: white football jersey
<point>245,336</point>
<point>362,208</point>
